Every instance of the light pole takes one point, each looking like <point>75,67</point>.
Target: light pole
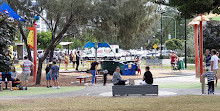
<point>161,39</point>
<point>175,23</point>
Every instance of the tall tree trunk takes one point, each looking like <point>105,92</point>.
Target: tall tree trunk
<point>52,45</point>
<point>39,71</point>
<point>51,54</point>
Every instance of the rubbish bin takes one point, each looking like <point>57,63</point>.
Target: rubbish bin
<point>129,69</point>
<point>111,66</point>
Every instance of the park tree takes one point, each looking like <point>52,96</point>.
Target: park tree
<point>6,37</point>
<point>61,15</point>
<point>212,35</point>
<point>174,44</point>
<point>128,22</point>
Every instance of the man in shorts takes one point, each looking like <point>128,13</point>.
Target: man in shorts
<point>55,74</point>
<point>214,64</point>
<point>26,66</point>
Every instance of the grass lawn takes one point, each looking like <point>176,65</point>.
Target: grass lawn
<point>38,90</point>
<point>178,103</point>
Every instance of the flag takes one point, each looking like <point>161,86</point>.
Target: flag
<point>30,39</point>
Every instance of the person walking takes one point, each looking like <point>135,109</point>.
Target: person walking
<point>26,66</point>
<point>214,64</point>
<point>66,59</point>
<point>77,60</point>
<point>55,74</point>
<point>173,58</point>
<point>207,59</point>
<point>94,71</point>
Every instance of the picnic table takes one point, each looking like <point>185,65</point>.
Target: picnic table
<point>82,77</point>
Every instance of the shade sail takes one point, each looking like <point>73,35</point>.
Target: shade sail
<point>6,9</point>
<point>103,44</point>
<point>92,45</point>
<point>89,45</point>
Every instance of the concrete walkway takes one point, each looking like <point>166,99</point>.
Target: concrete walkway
<point>106,91</point>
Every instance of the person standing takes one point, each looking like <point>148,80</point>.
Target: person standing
<point>138,63</point>
<point>26,66</point>
<point>210,78</point>
<point>71,57</point>
<point>173,58</point>
<point>207,59</point>
<point>214,64</point>
<point>55,74</point>
<point>48,74</point>
<point>66,59</point>
<point>94,71</point>
<point>116,79</point>
<point>148,77</point>
<point>74,60</point>
<point>77,60</point>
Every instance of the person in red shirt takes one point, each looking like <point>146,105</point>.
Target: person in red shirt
<point>173,58</point>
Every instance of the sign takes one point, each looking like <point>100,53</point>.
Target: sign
<point>155,46</point>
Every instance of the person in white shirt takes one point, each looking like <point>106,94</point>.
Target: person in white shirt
<point>214,64</point>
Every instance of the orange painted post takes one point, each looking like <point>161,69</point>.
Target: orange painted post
<point>201,48</point>
<point>196,47</point>
<point>35,52</point>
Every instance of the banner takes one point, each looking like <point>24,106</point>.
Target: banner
<point>30,39</point>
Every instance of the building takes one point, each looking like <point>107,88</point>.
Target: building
<point>41,25</point>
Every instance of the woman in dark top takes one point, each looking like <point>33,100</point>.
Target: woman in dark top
<point>147,78</point>
<point>93,70</point>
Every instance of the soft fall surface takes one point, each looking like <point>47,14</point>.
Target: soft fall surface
<point>38,90</point>
<point>178,103</point>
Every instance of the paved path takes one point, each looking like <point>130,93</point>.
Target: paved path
<point>105,91</point>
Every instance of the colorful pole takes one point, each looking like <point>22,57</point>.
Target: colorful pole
<point>35,52</point>
<point>201,47</point>
<point>196,47</point>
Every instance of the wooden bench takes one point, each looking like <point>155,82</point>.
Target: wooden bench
<point>134,89</point>
<point>82,77</point>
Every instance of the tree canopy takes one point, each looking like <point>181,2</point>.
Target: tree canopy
<point>7,32</point>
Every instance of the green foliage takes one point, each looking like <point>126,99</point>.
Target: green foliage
<point>59,47</point>
<point>6,37</point>
<point>124,22</point>
<point>174,44</point>
<point>189,8</point>
<point>211,35</point>
<point>43,39</point>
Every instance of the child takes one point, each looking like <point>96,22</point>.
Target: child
<point>55,75</point>
<point>210,78</point>
<point>48,74</point>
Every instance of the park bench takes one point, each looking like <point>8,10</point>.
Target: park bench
<point>134,89</point>
<point>82,77</point>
